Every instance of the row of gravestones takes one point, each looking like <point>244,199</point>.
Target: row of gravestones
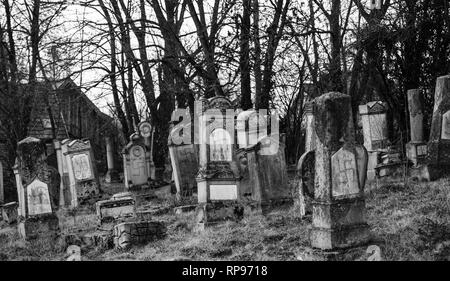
<point>228,173</point>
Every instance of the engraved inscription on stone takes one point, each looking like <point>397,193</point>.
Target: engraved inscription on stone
<point>223,192</point>
<point>344,173</point>
<point>138,166</point>
<point>422,150</point>
<point>81,166</point>
<point>377,126</point>
<point>38,198</point>
<point>220,145</point>
<point>445,135</point>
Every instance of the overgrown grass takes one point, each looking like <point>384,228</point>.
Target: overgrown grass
<point>408,222</point>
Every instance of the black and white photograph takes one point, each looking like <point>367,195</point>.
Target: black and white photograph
<point>232,133</point>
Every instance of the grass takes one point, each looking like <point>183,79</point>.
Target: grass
<point>408,222</point>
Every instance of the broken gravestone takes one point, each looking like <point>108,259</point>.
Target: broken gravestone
<point>338,219</point>
<point>38,186</point>
<point>126,234</point>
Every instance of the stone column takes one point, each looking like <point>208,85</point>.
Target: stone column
<point>2,189</point>
<point>310,136</point>
<point>59,159</point>
<point>416,149</point>
<point>111,175</point>
<point>338,219</point>
<point>439,141</point>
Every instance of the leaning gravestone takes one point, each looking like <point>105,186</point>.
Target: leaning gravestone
<point>338,219</point>
<point>184,162</point>
<point>38,187</point>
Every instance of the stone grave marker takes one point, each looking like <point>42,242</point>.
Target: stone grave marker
<point>38,187</point>
<point>132,233</point>
<point>218,175</point>
<point>438,158</point>
<point>9,212</point>
<point>116,209</point>
<point>82,172</point>
<point>416,148</point>
<point>374,122</point>
<point>136,163</point>
<point>184,161</point>
<point>112,175</point>
<point>339,203</point>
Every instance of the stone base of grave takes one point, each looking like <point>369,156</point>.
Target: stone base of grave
<point>340,224</point>
<point>392,170</point>
<point>121,208</point>
<point>133,233</point>
<point>429,172</point>
<point>275,204</point>
<point>39,226</point>
<point>86,191</point>
<point>100,239</point>
<point>112,176</point>
<point>184,209</point>
<point>371,164</point>
<point>215,212</point>
<point>350,254</point>
<point>9,212</point>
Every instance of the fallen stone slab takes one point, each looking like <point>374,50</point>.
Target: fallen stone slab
<point>134,233</point>
<point>9,212</point>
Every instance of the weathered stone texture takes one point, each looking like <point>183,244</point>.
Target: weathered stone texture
<point>132,233</point>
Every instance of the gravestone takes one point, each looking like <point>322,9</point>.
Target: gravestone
<point>79,161</point>
<point>374,122</point>
<point>416,148</point>
<point>115,209</point>
<point>338,219</point>
<point>136,163</point>
<point>268,174</point>
<point>38,187</point>
<point>438,158</point>
<point>183,158</point>
<point>9,212</point>
<point>218,175</point>
<point>146,131</point>
<point>134,233</point>
<point>112,176</point>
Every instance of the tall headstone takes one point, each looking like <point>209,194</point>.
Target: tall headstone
<point>59,160</point>
<point>439,142</point>
<point>136,163</point>
<point>111,175</point>
<point>416,149</point>
<point>374,122</point>
<point>218,175</point>
<point>146,131</point>
<point>38,187</point>
<point>184,161</point>
<point>338,219</point>
<point>82,171</point>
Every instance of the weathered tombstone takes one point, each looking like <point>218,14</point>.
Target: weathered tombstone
<point>112,175</point>
<point>438,158</point>
<point>60,159</point>
<point>38,186</point>
<point>136,163</point>
<point>218,175</point>
<point>268,174</point>
<point>340,171</point>
<point>115,209</point>
<point>82,171</point>
<point>374,122</point>
<point>130,233</point>
<point>183,157</point>
<point>146,131</point>
<point>416,148</point>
